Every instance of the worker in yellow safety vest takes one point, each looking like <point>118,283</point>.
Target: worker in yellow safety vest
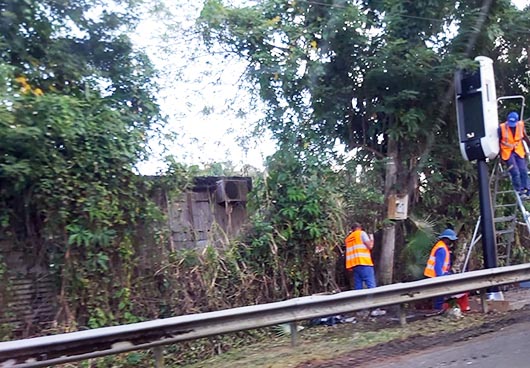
<point>439,262</point>
<point>511,136</point>
<point>358,257</point>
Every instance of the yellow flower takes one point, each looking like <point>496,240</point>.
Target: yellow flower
<point>25,87</point>
<point>22,80</point>
<point>38,92</point>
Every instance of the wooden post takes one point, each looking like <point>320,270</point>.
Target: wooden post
<point>158,352</point>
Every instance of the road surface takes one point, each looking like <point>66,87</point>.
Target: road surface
<point>508,347</point>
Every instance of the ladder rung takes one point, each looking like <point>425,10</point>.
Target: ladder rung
<point>506,205</point>
<point>502,174</point>
<point>506,230</point>
<point>504,219</point>
<point>504,243</point>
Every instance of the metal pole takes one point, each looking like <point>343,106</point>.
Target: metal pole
<point>484,301</point>
<point>294,333</point>
<point>474,241</point>
<point>402,315</point>
<point>489,246</point>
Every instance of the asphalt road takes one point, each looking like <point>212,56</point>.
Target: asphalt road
<point>508,347</point>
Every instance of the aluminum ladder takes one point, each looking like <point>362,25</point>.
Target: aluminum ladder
<point>507,205</point>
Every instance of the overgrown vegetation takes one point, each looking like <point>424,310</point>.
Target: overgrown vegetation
<point>76,105</point>
<point>358,96</point>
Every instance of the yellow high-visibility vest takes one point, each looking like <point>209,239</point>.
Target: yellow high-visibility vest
<point>429,269</point>
<point>512,142</point>
<point>357,254</point>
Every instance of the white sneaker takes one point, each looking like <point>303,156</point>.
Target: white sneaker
<point>350,320</point>
<point>378,312</point>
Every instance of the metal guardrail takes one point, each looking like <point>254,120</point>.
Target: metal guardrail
<point>81,345</point>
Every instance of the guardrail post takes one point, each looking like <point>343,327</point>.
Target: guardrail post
<point>402,315</point>
<point>158,352</point>
<point>484,301</point>
<point>294,333</point>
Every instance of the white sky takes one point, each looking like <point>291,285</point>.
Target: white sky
<point>521,3</point>
<point>186,93</point>
<point>202,138</point>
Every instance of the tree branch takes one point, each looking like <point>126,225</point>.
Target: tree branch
<point>369,149</point>
<point>483,15</point>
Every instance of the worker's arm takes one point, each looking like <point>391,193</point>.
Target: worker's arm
<point>526,139</point>
<point>367,240</point>
<point>440,259</point>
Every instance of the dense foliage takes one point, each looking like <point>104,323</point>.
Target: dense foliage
<point>377,77</point>
<point>358,95</point>
<point>76,105</point>
<point>296,238</point>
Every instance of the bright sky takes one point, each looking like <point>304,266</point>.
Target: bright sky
<point>521,3</point>
<point>199,97</point>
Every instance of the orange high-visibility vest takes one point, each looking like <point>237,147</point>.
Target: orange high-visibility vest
<point>357,254</point>
<point>510,142</point>
<point>429,269</point>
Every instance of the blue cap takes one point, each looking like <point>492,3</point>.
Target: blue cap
<point>512,119</point>
<point>449,234</point>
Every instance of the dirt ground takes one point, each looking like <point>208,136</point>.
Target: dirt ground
<point>472,325</point>
<point>372,340</point>
<point>385,351</point>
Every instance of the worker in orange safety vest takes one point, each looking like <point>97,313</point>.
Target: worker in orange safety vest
<point>439,262</point>
<point>359,258</point>
<point>511,136</point>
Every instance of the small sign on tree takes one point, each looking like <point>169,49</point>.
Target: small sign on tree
<point>398,206</point>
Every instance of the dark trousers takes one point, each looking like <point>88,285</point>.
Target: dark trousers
<point>518,171</point>
<point>438,302</point>
<point>364,274</point>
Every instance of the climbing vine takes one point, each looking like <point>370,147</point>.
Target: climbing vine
<point>72,126</point>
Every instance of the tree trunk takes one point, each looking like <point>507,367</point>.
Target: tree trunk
<point>386,266</point>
